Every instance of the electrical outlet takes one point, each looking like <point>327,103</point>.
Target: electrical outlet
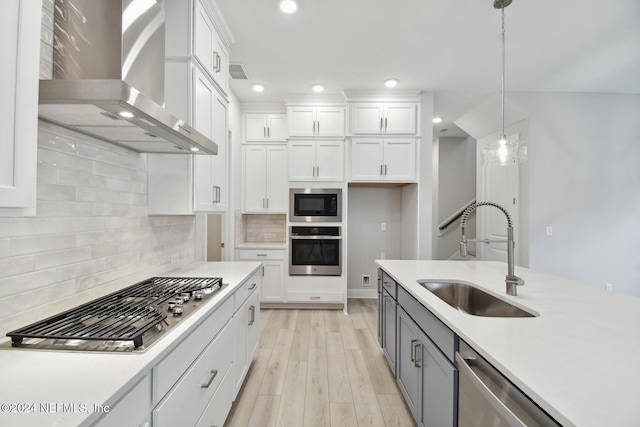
<point>174,258</point>
<point>549,231</point>
<point>366,280</point>
<point>268,236</point>
<point>608,286</point>
<point>383,255</point>
<point>383,226</point>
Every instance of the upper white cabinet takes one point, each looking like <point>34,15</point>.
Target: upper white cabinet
<point>19,106</point>
<point>193,29</point>
<point>264,178</point>
<point>383,118</point>
<point>383,159</point>
<point>314,121</point>
<point>316,160</point>
<point>182,184</point>
<point>265,127</point>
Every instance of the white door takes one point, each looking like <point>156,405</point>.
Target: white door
<point>400,118</point>
<point>255,172</point>
<point>219,162</point>
<point>272,289</point>
<point>302,161</point>
<point>204,38</point>
<point>277,193</point>
<point>255,127</point>
<point>367,159</point>
<point>329,160</point>
<point>330,121</point>
<point>277,127</point>
<point>302,121</point>
<point>366,119</point>
<point>399,159</point>
<point>499,184</point>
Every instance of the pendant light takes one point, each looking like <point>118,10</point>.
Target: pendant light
<point>503,151</point>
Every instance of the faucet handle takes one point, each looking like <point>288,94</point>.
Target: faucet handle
<point>463,248</point>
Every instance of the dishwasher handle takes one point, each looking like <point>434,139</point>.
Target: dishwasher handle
<point>492,399</point>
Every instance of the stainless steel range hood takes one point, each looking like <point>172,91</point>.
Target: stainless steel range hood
<point>108,77</point>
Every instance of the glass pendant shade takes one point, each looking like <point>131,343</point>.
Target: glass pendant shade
<point>504,152</point>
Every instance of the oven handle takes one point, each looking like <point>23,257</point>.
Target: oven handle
<point>316,237</point>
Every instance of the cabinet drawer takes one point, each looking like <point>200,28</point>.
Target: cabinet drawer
<point>438,332</point>
<point>328,297</point>
<point>167,372</point>
<point>389,285</point>
<point>186,402</point>
<point>259,254</point>
<point>220,405</point>
<point>133,409</point>
<point>244,290</point>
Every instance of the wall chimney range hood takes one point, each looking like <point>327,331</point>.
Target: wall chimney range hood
<point>108,77</point>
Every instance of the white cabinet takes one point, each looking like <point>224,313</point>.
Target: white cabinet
<point>246,329</point>
<point>272,288</point>
<point>316,121</point>
<point>264,186</point>
<point>181,184</point>
<point>20,23</point>
<point>316,160</point>
<point>133,409</point>
<point>383,118</point>
<point>193,29</point>
<point>265,127</point>
<point>383,159</point>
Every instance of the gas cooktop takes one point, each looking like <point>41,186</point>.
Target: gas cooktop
<point>128,320</point>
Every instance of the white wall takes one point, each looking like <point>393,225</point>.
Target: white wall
<point>585,183</point>
<point>454,185</point>
<point>91,233</point>
<point>368,208</point>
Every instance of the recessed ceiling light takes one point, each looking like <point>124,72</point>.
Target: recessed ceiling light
<point>288,6</point>
<point>258,88</point>
<point>317,88</point>
<point>437,120</point>
<point>391,82</point>
<point>126,114</point>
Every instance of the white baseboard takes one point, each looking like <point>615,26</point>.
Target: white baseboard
<point>362,293</point>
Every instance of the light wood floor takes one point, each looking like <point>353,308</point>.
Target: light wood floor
<point>320,368</point>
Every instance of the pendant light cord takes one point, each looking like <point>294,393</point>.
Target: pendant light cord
<point>503,72</point>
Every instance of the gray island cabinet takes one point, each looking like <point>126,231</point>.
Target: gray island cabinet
<point>423,354</point>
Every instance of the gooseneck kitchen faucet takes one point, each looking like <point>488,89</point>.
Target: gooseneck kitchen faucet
<point>511,280</point>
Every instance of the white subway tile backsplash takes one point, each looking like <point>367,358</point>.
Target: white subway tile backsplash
<point>91,234</point>
<point>38,244</point>
<point>63,257</point>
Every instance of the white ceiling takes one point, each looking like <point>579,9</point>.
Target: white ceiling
<point>448,47</point>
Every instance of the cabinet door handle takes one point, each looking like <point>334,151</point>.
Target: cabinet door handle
<point>252,310</point>
<point>413,351</point>
<point>253,286</point>
<point>263,204</point>
<point>318,127</point>
<point>264,132</point>
<point>267,203</point>
<point>214,372</point>
<point>385,170</point>
<point>317,170</point>
<point>385,124</point>
<point>381,169</point>
<point>216,194</point>
<point>314,127</point>
<point>268,132</point>
<point>381,122</point>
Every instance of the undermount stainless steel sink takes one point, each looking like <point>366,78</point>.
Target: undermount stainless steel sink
<point>471,300</point>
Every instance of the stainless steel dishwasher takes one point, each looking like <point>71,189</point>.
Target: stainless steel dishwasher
<point>487,398</point>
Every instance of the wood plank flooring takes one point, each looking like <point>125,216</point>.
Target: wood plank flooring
<point>320,368</point>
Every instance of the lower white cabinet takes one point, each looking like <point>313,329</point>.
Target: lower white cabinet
<point>246,330</point>
<point>133,409</point>
<point>272,288</point>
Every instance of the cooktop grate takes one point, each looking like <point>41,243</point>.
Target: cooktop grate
<point>124,315</point>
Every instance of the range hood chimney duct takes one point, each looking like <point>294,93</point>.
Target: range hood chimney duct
<point>108,77</point>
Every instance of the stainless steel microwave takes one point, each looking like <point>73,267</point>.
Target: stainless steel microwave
<point>315,205</point>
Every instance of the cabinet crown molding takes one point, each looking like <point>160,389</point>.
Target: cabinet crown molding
<point>360,95</point>
<point>315,100</point>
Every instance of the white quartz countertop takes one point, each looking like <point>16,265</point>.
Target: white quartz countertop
<point>578,359</point>
<point>81,380</point>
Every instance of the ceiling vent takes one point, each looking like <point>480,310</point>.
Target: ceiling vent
<point>237,72</point>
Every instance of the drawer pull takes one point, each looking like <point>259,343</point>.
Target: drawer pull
<point>253,286</point>
<point>214,372</point>
<point>252,310</point>
<point>261,254</point>
<point>314,297</point>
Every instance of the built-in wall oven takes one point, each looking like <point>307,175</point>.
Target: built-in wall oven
<point>315,205</point>
<point>315,251</point>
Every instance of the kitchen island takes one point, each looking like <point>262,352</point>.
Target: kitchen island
<point>79,388</point>
<point>576,359</point>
